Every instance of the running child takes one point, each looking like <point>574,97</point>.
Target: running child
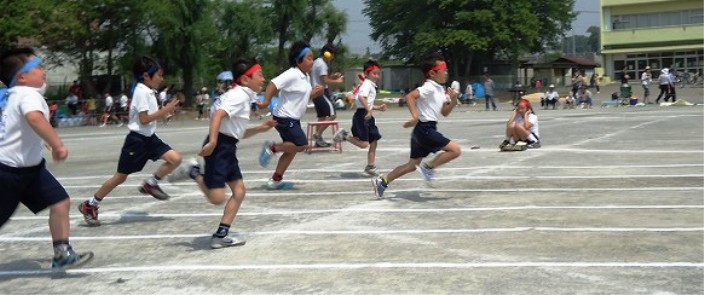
<point>426,103</point>
<point>320,75</point>
<point>365,133</point>
<point>227,126</point>
<point>295,91</point>
<point>141,143</point>
<point>24,129</point>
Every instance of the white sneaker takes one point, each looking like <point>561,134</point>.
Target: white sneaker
<point>228,241</point>
<point>183,171</point>
<point>273,184</point>
<point>425,172</point>
<point>371,170</point>
<point>120,125</point>
<point>102,125</point>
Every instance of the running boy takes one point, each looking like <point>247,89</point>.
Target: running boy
<point>141,143</point>
<point>227,126</point>
<point>425,104</point>
<point>24,128</point>
<point>365,133</point>
<point>295,92</point>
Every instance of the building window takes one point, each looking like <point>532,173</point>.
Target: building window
<point>657,19</point>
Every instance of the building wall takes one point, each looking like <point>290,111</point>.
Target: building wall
<point>676,40</point>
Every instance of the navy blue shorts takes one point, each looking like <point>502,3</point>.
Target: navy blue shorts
<point>222,166</point>
<point>290,130</point>
<point>35,187</point>
<point>137,150</point>
<point>323,105</point>
<point>426,139</point>
<point>363,129</point>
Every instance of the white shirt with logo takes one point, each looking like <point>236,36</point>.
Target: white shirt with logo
<point>20,146</point>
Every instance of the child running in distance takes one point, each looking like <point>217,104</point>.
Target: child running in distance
<point>365,133</point>
<point>426,103</point>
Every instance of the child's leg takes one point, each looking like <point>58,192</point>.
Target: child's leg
<point>357,142</point>
<point>284,161</point>
<point>450,152</point>
<point>371,155</point>
<point>172,160</point>
<point>109,185</point>
<point>58,220</point>
<point>402,170</point>
<point>215,196</point>
<point>520,132</point>
<point>235,201</point>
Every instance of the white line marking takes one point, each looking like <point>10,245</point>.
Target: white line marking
<point>375,232</point>
<point>384,265</point>
<point>384,210</point>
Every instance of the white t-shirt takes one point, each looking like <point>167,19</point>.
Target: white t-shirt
<point>368,90</point>
<point>123,101</point>
<point>235,102</point>
<point>294,93</point>
<point>143,100</point>
<point>646,78</point>
<point>20,146</point>
<point>533,119</point>
<point>162,96</point>
<point>469,90</point>
<point>551,95</point>
<point>108,102</point>
<point>455,86</point>
<point>429,104</point>
<point>320,68</point>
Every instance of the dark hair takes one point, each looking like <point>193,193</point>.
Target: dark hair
<point>429,62</point>
<point>328,47</point>
<point>145,64</point>
<point>241,65</point>
<point>371,63</point>
<point>296,49</point>
<point>11,61</point>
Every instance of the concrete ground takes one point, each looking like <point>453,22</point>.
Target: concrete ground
<point>611,204</point>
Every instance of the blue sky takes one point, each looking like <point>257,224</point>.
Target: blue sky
<point>358,30</point>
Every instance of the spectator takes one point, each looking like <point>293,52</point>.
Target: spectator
<point>645,79</point>
<point>72,103</point>
<point>577,82</point>
<point>489,92</point>
<point>665,83</point>
<point>584,96</point>
<point>624,75</point>
<point>550,98</point>
<point>469,94</point>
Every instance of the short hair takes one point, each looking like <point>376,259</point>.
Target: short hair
<point>370,63</point>
<point>241,65</point>
<point>328,47</point>
<point>145,64</point>
<point>296,49</point>
<point>429,61</point>
<point>11,61</point>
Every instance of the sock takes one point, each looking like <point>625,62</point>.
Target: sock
<point>156,177</point>
<point>384,181</point>
<point>277,177</point>
<point>152,180</point>
<point>273,148</point>
<point>94,201</point>
<point>223,230</point>
<point>60,242</point>
<point>428,166</point>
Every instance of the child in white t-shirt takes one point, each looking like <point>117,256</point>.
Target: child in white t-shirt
<point>521,129</point>
<point>24,130</point>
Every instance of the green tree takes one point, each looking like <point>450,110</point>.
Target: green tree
<point>594,42</point>
<point>461,29</point>
<point>243,29</point>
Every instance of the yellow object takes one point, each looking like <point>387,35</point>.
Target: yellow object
<point>327,54</point>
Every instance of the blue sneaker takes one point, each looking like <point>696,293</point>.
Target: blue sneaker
<point>65,257</point>
<point>266,153</point>
<point>379,187</point>
<point>426,172</point>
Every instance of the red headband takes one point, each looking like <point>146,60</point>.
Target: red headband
<point>371,68</point>
<point>249,72</point>
<point>439,67</point>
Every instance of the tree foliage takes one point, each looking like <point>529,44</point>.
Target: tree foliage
<point>461,29</point>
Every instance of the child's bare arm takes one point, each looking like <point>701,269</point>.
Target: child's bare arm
<point>259,129</point>
<point>146,118</point>
<point>42,127</point>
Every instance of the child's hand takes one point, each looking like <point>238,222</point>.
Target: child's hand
<point>171,105</point>
<point>268,124</point>
<point>317,91</point>
<point>410,123</point>
<point>207,149</point>
<point>383,107</point>
<point>368,116</point>
<point>59,154</point>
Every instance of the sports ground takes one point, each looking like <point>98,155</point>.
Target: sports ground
<point>613,203</point>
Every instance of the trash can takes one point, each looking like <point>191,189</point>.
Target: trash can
<point>626,91</point>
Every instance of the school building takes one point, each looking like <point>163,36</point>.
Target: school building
<point>655,33</point>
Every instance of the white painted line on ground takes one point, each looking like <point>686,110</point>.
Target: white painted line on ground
<point>344,266</point>
<point>373,232</point>
<point>382,210</point>
<point>509,167</point>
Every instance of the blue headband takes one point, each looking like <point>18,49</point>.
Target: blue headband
<point>24,69</point>
<point>303,53</point>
